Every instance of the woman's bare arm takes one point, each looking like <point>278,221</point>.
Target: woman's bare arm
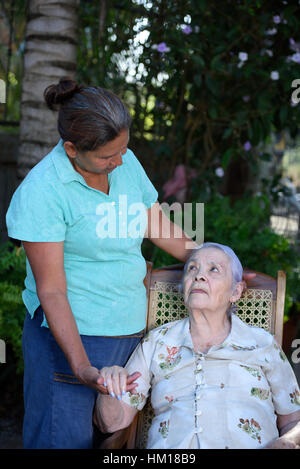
<point>167,235</point>
<point>111,414</point>
<point>289,431</point>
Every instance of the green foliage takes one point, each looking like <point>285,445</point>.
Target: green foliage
<point>12,309</point>
<point>207,68</point>
<point>13,22</point>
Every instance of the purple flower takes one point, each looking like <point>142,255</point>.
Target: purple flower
<point>243,56</point>
<point>246,98</point>
<point>271,32</point>
<point>276,19</point>
<point>162,47</point>
<point>274,75</point>
<point>296,57</point>
<point>247,146</point>
<point>187,30</point>
<point>295,46</point>
<point>219,172</point>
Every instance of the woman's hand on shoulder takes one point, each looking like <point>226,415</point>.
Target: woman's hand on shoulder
<point>247,277</point>
<point>116,381</point>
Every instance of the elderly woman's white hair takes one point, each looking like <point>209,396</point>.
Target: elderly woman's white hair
<point>236,266</point>
<point>235,263</point>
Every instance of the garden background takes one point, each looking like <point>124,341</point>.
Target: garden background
<point>214,92</point>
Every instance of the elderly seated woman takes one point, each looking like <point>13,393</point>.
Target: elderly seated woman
<point>215,381</point>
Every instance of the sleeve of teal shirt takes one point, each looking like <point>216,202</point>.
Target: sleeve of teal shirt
<point>35,214</point>
<point>150,194</point>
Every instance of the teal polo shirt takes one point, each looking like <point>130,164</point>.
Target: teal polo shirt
<point>102,237</point>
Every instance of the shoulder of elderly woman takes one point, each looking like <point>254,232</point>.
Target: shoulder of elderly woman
<point>251,333</point>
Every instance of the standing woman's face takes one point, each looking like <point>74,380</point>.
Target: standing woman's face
<point>104,159</point>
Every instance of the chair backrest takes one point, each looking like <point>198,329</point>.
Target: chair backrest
<point>261,305</point>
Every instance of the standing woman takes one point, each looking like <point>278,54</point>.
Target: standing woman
<point>76,215</point>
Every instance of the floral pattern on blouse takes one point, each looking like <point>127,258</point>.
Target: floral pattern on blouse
<point>214,399</point>
<point>164,428</point>
<point>295,397</point>
<point>260,393</point>
<point>281,352</point>
<point>136,399</point>
<point>253,371</point>
<point>252,428</point>
<point>172,358</point>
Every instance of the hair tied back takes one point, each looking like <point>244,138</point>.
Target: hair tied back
<point>60,93</point>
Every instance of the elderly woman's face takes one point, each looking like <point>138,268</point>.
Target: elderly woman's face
<point>207,283</point>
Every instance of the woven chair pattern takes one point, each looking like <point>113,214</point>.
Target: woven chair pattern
<point>166,304</point>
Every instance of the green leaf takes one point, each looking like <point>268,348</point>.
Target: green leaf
<point>227,133</point>
<point>198,79</point>
<point>212,85</point>
<point>226,158</point>
<point>199,61</point>
<point>283,113</point>
<point>265,157</point>
<point>213,113</point>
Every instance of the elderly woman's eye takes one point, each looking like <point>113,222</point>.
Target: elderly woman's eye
<point>214,269</point>
<point>191,267</point>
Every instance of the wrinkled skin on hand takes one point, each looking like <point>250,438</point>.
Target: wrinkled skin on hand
<point>282,443</point>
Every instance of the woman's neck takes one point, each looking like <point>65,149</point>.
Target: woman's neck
<point>208,329</point>
<point>96,181</point>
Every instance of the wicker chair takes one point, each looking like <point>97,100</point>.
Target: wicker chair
<point>261,305</point>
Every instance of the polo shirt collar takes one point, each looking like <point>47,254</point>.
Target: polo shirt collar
<point>65,171</point>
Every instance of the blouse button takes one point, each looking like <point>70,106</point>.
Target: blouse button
<point>199,379</point>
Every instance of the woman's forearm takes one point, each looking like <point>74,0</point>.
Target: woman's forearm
<point>62,324</point>
<point>292,432</point>
<point>168,235</point>
<point>180,247</point>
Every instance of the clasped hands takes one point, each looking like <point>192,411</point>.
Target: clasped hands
<point>113,380</point>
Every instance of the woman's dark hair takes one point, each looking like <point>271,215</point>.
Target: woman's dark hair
<point>89,116</point>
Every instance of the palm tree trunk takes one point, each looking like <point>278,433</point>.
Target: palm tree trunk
<point>50,53</point>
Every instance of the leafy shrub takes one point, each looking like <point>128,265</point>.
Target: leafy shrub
<point>12,309</point>
<point>245,227</point>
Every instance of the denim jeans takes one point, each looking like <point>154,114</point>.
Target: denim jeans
<point>58,408</point>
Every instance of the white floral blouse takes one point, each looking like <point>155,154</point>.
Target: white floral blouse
<point>225,398</point>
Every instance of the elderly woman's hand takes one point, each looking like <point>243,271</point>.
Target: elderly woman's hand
<point>117,381</point>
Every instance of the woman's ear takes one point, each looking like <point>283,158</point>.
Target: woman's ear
<point>70,149</point>
<point>237,292</point>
